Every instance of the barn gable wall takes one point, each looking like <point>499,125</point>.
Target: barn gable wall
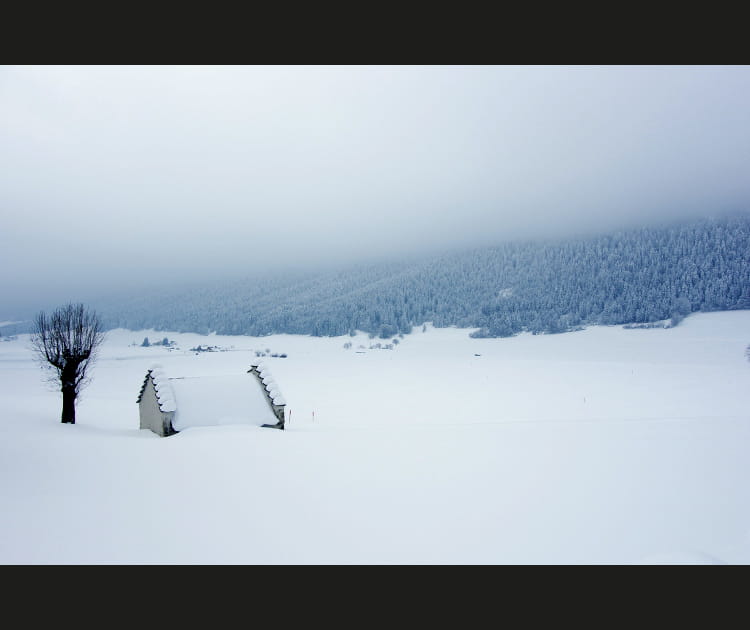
<point>152,417</point>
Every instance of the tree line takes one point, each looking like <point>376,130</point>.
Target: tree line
<point>630,276</point>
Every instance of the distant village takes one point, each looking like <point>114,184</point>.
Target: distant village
<point>171,345</point>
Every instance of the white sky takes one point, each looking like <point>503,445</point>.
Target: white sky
<point>108,171</point>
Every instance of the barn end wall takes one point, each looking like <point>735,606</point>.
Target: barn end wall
<point>278,410</point>
<point>153,418</point>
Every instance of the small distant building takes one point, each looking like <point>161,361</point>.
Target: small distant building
<point>169,404</point>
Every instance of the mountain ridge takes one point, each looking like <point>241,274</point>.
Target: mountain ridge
<point>629,276</point>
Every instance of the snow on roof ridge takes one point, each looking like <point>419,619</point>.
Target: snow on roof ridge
<point>165,397</point>
<point>269,384</point>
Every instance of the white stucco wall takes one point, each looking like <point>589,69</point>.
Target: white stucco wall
<point>151,416</point>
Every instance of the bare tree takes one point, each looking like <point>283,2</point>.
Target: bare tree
<point>66,342</point>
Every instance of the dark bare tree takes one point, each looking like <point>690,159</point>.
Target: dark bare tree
<point>66,342</point>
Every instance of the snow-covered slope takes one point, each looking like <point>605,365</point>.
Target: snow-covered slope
<point>601,446</point>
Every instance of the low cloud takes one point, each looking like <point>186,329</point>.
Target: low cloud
<point>112,177</point>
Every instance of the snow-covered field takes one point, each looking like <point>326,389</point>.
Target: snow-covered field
<point>600,446</point>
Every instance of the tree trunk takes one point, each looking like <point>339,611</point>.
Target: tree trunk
<point>69,405</point>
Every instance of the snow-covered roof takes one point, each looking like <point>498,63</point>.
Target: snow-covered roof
<point>214,400</point>
<point>200,401</point>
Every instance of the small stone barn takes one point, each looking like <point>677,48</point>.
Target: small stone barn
<point>169,404</point>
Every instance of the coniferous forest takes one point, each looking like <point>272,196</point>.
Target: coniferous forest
<point>627,277</point>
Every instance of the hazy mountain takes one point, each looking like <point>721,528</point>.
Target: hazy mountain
<point>641,275</point>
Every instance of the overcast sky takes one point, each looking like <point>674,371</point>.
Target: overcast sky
<point>111,176</point>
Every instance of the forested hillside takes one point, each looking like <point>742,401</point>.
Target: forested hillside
<point>635,276</point>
